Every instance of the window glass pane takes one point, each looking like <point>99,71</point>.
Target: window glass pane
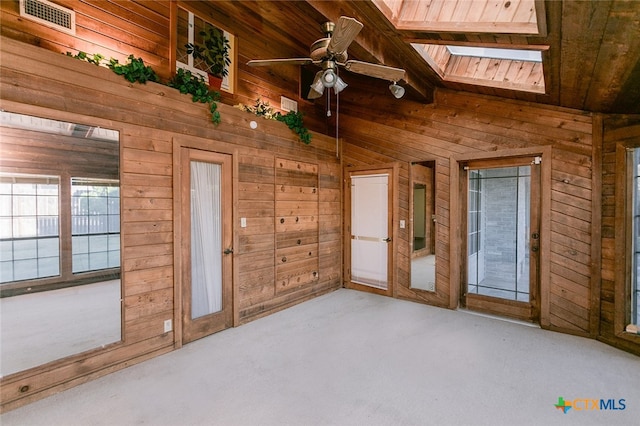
<point>98,204</point>
<point>25,269</point>
<point>80,263</point>
<point>496,53</point>
<point>25,249</point>
<point>5,205</point>
<point>6,224</point>
<point>24,205</point>
<point>635,237</point>
<point>95,221</point>
<point>49,267</point>
<point>183,35</point>
<point>80,244</point>
<point>6,272</point>
<point>24,227</point>
<point>47,226</point>
<point>6,250</point>
<point>47,205</point>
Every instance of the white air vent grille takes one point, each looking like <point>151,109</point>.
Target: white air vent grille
<point>49,14</point>
<point>287,104</point>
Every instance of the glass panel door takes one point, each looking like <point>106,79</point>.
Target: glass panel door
<point>503,239</point>
<point>205,243</point>
<point>498,232</point>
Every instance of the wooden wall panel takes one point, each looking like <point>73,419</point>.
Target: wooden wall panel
<point>617,131</point>
<point>476,124</point>
<point>150,119</point>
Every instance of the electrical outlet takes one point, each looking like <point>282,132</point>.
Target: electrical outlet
<point>243,222</point>
<point>167,326</point>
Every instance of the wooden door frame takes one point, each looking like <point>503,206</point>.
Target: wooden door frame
<point>457,238</point>
<point>392,170</point>
<point>213,147</point>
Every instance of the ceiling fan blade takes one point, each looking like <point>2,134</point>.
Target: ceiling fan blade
<point>346,30</point>
<point>374,70</point>
<point>285,61</point>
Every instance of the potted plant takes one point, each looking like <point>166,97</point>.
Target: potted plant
<point>214,52</point>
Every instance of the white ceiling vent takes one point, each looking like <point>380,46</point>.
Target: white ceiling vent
<point>49,14</point>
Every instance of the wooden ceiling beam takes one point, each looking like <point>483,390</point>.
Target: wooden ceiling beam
<point>380,42</point>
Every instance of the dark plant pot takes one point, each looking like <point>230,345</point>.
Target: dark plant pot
<point>215,82</point>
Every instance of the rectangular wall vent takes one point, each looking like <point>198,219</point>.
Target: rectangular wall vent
<point>50,14</point>
<point>287,104</point>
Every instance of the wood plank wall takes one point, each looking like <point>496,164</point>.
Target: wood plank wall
<point>142,28</point>
<point>464,124</point>
<point>151,119</point>
<point>376,129</point>
<point>618,132</point>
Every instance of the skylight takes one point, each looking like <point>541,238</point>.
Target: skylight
<point>511,69</point>
<point>488,52</point>
<point>466,16</point>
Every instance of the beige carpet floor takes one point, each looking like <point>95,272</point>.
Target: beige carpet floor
<point>351,358</point>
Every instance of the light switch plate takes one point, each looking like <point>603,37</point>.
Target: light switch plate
<point>403,224</point>
<point>243,222</point>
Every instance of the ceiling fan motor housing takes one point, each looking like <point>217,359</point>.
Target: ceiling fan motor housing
<point>319,52</point>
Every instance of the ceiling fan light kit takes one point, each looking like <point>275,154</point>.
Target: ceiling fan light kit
<point>330,52</point>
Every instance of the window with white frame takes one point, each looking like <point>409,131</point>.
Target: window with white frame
<point>189,26</point>
<point>29,227</point>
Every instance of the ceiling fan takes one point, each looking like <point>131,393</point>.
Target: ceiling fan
<point>330,52</point>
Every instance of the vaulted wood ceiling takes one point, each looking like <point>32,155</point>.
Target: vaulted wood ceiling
<point>592,62</point>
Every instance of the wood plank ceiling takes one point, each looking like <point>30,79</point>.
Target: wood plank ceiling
<point>592,61</point>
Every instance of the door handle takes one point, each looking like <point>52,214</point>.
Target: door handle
<point>228,250</point>
<point>534,248</point>
<point>388,239</point>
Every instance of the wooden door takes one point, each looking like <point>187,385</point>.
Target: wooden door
<point>503,238</point>
<point>369,227</point>
<point>206,203</point>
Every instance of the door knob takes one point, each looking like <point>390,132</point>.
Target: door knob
<point>228,250</point>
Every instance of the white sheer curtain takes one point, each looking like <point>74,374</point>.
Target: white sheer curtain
<point>206,239</point>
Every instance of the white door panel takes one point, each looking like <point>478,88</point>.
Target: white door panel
<point>369,230</point>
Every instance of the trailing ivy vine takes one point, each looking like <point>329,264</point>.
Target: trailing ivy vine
<point>186,82</point>
<point>136,71</point>
<point>292,119</point>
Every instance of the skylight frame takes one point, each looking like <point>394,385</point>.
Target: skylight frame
<point>499,73</point>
